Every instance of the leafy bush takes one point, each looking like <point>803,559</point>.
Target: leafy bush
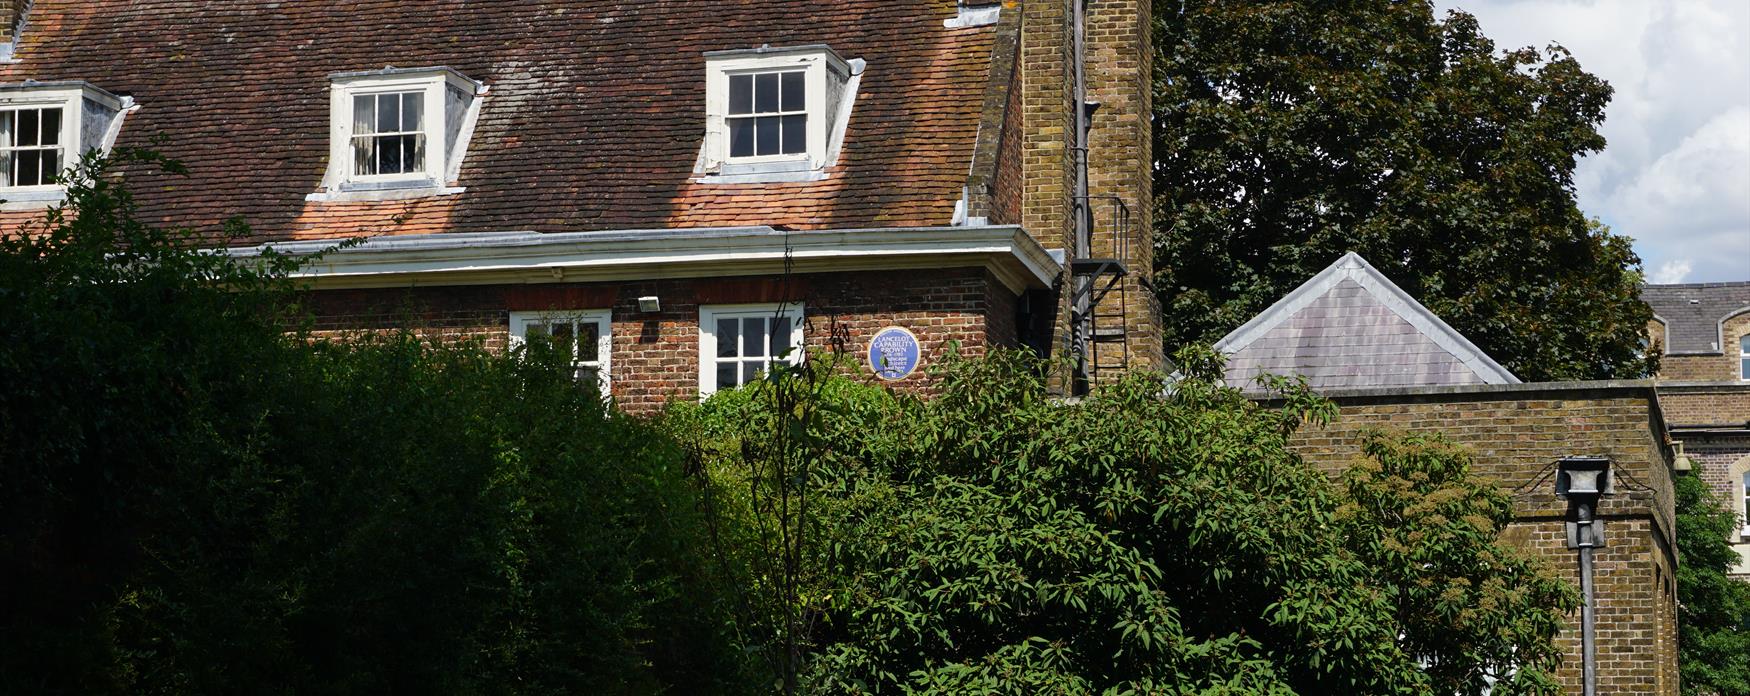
<point>196,501</point>
<point>1713,626</point>
<point>1145,540</point>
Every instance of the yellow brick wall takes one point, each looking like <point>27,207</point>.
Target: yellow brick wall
<point>1517,435</point>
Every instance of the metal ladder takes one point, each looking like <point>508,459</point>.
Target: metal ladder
<point>1099,332</point>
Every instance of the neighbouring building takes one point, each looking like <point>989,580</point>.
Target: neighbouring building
<point>1702,332</point>
<point>1388,362</point>
<point>684,191</point>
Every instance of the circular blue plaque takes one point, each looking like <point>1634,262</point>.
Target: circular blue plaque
<point>894,353</point>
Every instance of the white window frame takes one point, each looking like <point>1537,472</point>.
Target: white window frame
<point>443,157</point>
<point>70,98</point>
<point>602,318</point>
<point>710,314</point>
<point>1743,357</point>
<point>815,62</point>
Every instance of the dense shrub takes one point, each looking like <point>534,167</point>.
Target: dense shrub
<point>1145,540</point>
<point>197,501</point>
<point>1713,626</point>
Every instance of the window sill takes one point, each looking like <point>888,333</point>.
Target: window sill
<point>775,172</point>
<point>383,191</point>
<point>38,199</point>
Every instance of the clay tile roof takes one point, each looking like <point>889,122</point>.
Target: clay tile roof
<point>594,118</point>
<point>1692,313</point>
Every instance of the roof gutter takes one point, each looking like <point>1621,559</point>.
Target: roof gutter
<point>1011,254</point>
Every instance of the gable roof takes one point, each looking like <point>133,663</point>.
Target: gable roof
<point>593,120</point>
<point>1351,327</point>
<point>1695,313</point>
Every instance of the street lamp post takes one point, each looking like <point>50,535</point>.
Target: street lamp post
<point>1582,481</point>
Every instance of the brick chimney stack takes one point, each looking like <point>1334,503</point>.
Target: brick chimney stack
<point>1118,72</point>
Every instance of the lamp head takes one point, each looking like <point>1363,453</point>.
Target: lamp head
<point>1583,477</point>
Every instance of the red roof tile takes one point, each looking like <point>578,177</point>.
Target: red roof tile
<point>594,119</point>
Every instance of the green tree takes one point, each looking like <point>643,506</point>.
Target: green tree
<point>1713,624</point>
<point>1288,132</point>
<point>199,498</point>
<point>993,540</point>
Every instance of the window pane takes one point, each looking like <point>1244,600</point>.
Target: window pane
<point>410,111</point>
<point>765,93</point>
<point>795,134</point>
<point>750,372</point>
<point>51,133</point>
<point>741,137</point>
<point>562,337</point>
<point>389,155</point>
<point>1744,345</point>
<point>415,152</point>
<point>766,138</point>
<point>740,94</point>
<point>29,168</point>
<point>51,165</point>
<point>7,178</point>
<point>1744,368</point>
<point>589,376</point>
<point>795,95</point>
<point>364,115</point>
<point>533,330</point>
<point>753,338</point>
<point>589,345</point>
<point>727,337</point>
<point>781,336</point>
<point>28,127</point>
<point>388,114</point>
<point>726,375</point>
<point>364,155</point>
<point>7,120</point>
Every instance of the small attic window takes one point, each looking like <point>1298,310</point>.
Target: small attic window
<point>45,127</point>
<point>775,112</point>
<point>398,132</point>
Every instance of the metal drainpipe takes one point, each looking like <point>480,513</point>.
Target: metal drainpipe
<point>1589,659</point>
<point>1084,228</point>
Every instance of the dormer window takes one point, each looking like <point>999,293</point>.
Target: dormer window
<point>399,133</point>
<point>775,114</point>
<point>45,127</point>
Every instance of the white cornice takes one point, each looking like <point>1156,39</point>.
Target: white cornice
<point>1008,252</point>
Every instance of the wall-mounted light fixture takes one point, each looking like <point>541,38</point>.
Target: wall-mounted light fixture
<point>649,304</point>
<point>1582,481</point>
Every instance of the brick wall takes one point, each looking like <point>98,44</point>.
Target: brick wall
<point>1517,432</point>
<point>655,355</point>
<point>1705,404</point>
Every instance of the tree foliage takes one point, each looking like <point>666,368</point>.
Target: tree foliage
<point>993,540</point>
<point>1713,626</point>
<point>197,501</point>
<point>1289,132</point>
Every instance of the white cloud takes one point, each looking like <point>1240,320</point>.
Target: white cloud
<point>1670,272</point>
<point>1676,175</point>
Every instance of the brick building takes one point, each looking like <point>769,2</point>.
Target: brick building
<point>1388,362</point>
<point>690,189</point>
<point>1703,334</point>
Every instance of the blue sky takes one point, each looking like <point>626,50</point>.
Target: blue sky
<point>1676,175</point>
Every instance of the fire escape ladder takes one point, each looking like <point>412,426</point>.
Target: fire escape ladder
<point>1098,328</point>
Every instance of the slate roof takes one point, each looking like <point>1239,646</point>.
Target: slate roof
<point>594,119</point>
<point>1693,312</point>
<point>1351,327</point>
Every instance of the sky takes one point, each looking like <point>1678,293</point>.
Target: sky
<point>1676,174</point>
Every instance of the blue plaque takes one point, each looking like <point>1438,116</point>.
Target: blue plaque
<point>894,353</point>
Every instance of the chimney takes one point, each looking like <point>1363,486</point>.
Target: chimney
<point>1116,70</point>
<point>11,22</point>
